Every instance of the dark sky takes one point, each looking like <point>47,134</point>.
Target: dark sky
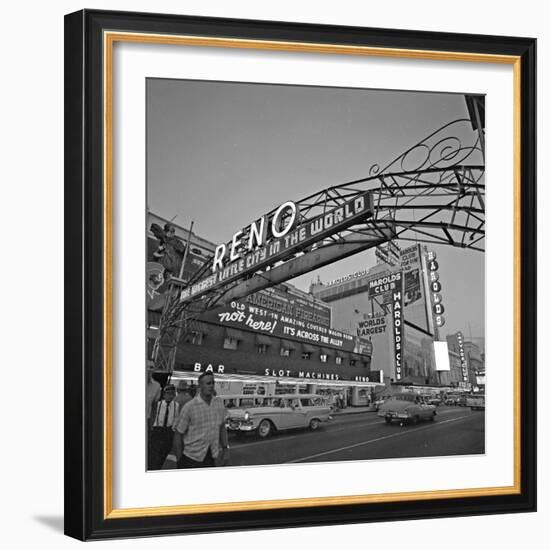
<point>223,154</point>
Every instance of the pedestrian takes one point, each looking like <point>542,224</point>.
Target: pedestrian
<point>152,392</point>
<point>184,394</point>
<point>161,435</point>
<point>200,438</point>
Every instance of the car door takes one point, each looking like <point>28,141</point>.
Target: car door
<point>426,410</point>
<point>307,411</point>
<point>298,413</point>
<point>282,415</point>
<point>314,407</point>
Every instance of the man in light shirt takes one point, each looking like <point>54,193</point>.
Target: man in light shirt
<point>200,438</point>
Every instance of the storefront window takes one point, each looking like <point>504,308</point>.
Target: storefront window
<point>230,343</point>
<point>285,352</point>
<point>196,338</point>
<point>338,360</point>
<point>262,348</point>
<point>323,358</point>
<point>352,362</point>
<point>306,355</point>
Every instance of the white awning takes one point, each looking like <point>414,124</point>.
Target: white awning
<point>288,381</point>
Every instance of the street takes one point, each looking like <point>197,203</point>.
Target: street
<point>363,436</point>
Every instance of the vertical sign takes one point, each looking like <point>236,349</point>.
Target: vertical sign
<point>398,323</point>
<point>462,354</point>
<point>435,287</point>
<point>416,288</point>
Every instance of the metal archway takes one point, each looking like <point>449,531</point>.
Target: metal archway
<point>434,192</point>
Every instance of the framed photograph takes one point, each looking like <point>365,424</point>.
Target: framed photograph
<point>300,275</point>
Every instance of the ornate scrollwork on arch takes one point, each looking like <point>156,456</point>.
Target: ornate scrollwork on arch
<point>453,144</point>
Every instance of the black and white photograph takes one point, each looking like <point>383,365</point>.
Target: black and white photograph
<point>315,276</point>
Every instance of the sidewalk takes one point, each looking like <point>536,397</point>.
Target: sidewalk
<point>353,410</point>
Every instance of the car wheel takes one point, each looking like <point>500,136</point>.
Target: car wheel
<point>264,428</point>
<point>416,419</point>
<point>432,417</point>
<point>314,424</point>
<point>387,420</point>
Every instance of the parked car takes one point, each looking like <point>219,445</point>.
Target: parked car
<point>461,401</point>
<point>406,408</point>
<point>476,402</point>
<point>452,399</point>
<point>434,400</point>
<point>279,412</point>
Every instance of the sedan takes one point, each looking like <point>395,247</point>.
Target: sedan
<point>406,408</point>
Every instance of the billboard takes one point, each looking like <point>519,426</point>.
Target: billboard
<point>411,288</point>
<point>441,351</point>
<point>371,326</point>
<point>388,253</point>
<point>158,275</point>
<point>306,323</point>
<point>347,278</point>
<point>193,262</point>
<point>385,284</point>
<point>414,295</point>
<point>287,300</point>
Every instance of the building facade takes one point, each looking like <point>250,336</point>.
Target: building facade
<point>471,360</point>
<point>364,303</point>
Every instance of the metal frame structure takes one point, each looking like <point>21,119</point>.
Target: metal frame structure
<point>432,193</point>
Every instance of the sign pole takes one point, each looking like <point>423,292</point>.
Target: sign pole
<point>173,351</point>
<point>167,360</point>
